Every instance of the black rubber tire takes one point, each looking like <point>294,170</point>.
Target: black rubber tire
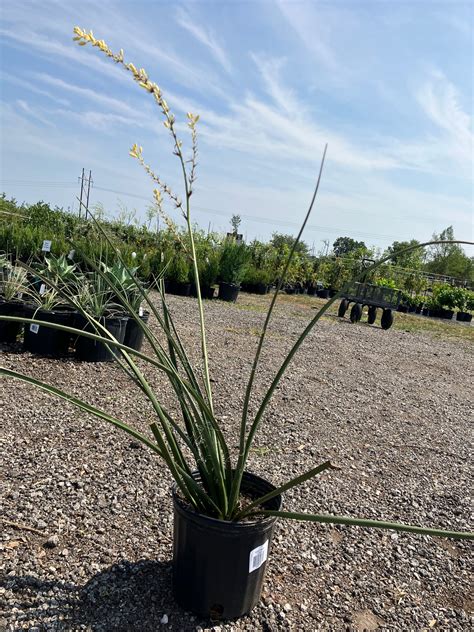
<point>356,313</point>
<point>344,304</point>
<point>372,315</point>
<point>387,319</point>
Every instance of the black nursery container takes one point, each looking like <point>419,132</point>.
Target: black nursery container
<point>256,288</point>
<point>46,341</point>
<point>9,331</point>
<point>90,350</point>
<point>228,292</point>
<point>219,566</point>
<point>134,333</point>
<point>177,288</point>
<point>207,291</point>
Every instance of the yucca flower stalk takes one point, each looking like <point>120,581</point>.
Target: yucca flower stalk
<point>196,442</point>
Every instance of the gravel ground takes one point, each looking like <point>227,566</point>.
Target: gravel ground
<point>87,530</point>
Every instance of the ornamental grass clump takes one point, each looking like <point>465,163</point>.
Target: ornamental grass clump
<point>195,442</point>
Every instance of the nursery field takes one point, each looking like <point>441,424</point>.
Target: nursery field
<point>87,513</point>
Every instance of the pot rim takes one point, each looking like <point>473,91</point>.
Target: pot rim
<point>185,508</point>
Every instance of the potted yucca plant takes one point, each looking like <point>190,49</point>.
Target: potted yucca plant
<point>45,301</point>
<point>224,515</point>
<point>46,304</point>
<point>93,294</point>
<point>129,294</point>
<point>13,285</point>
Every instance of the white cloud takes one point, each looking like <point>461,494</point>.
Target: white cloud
<point>61,53</point>
<point>309,21</point>
<point>440,101</point>
<point>87,93</point>
<point>204,35</point>
<point>33,113</point>
<point>27,85</point>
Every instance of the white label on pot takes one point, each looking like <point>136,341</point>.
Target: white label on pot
<point>42,289</point>
<point>46,245</point>
<point>258,556</point>
<point>34,329</point>
<point>140,311</point>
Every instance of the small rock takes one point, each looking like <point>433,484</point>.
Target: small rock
<point>164,619</point>
<point>51,542</point>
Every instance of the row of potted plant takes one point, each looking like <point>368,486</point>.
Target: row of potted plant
<point>57,291</point>
<point>444,301</point>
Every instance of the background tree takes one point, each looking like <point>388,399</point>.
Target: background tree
<point>235,222</point>
<point>344,246</point>
<point>279,240</point>
<point>412,260</point>
<point>449,259</point>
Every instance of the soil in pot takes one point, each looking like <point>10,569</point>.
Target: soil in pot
<point>219,566</point>
<point>177,288</point>
<point>90,350</point>
<point>134,333</point>
<point>9,331</point>
<point>228,292</point>
<point>46,341</point>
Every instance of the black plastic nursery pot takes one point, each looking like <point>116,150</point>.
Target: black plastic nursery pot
<point>46,341</point>
<point>177,288</point>
<point>446,313</point>
<point>207,291</point>
<point>228,292</point>
<point>323,293</point>
<point>134,333</point>
<point>9,331</point>
<point>255,288</point>
<point>219,566</point>
<point>90,350</point>
<point>464,317</point>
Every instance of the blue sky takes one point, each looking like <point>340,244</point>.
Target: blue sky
<point>387,84</point>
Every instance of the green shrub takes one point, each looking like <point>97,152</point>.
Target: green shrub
<point>233,260</point>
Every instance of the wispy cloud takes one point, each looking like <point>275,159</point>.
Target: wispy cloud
<point>440,101</point>
<point>311,27</point>
<point>205,36</point>
<point>87,93</point>
<point>54,49</point>
<point>32,113</point>
<point>30,87</point>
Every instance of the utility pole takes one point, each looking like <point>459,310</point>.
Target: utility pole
<point>326,244</point>
<point>83,180</point>
<point>89,182</point>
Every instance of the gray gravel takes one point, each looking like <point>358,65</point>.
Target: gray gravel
<point>87,533</point>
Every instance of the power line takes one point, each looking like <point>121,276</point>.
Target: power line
<point>252,218</point>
